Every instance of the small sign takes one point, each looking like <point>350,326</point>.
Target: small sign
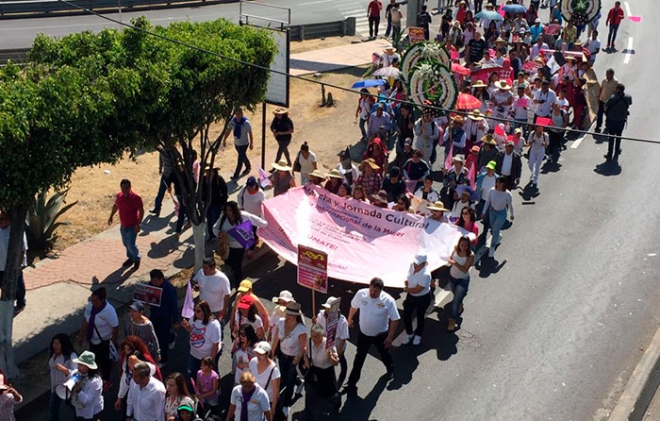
<point>416,34</point>
<point>148,294</point>
<point>331,326</point>
<point>313,269</point>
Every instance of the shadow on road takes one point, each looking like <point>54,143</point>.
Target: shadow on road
<point>608,168</point>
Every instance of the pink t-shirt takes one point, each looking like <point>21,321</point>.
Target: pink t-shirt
<point>205,383</point>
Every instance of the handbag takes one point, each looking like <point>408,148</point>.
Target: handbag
<point>296,164</point>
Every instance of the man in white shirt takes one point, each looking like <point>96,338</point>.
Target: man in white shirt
<point>5,231</point>
<point>593,45</point>
<point>341,336</point>
<point>379,318</point>
<point>214,288</point>
<point>544,100</point>
<point>251,197</point>
<point>537,47</point>
<point>147,398</point>
<point>418,287</point>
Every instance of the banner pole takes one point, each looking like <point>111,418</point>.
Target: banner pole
<point>313,302</point>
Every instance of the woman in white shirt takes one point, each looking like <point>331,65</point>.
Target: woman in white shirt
<point>291,336</point>
<point>87,396</point>
<point>244,351</point>
<point>247,315</point>
<point>306,161</point>
<point>204,330</point>
<point>499,201</point>
<point>266,373</point>
<point>461,260</point>
<point>60,364</point>
<point>321,379</point>
<point>537,141</point>
<point>418,288</point>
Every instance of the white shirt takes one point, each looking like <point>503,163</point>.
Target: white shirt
<point>487,183</point>
<point>251,202</point>
<point>226,226</point>
<point>56,376</point>
<point>536,51</point>
<point>421,277</point>
<point>105,321</point>
<point>342,328</point>
<point>290,344</point>
<point>91,397</point>
<point>520,111</point>
<point>4,248</point>
<point>388,59</point>
<point>536,143</point>
<point>375,313</point>
<point>593,45</point>
<point>262,378</point>
<point>353,171</point>
<point>257,405</point>
<point>213,289</point>
<point>243,320</point>
<point>507,162</point>
<point>147,403</point>
<point>319,355</point>
<point>307,164</point>
<point>549,98</point>
<point>202,337</point>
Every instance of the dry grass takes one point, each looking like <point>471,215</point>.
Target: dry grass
<point>321,43</point>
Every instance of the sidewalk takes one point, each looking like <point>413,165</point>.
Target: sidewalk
<point>334,58</point>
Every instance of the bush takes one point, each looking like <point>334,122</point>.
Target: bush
<point>42,219</point>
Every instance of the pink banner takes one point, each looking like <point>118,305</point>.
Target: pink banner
<point>361,240</point>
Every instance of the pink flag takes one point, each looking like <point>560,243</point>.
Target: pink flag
<point>188,309</point>
<point>544,122</point>
<point>450,156</point>
<point>471,175</point>
<point>263,178</point>
<point>635,18</point>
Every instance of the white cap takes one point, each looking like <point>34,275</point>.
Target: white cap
<point>420,259</point>
<point>284,296</point>
<point>328,302</point>
<point>262,347</point>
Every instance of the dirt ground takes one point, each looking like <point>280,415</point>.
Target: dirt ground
<point>327,131</point>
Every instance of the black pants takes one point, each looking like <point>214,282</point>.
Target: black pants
<point>415,306</point>
<point>614,128</point>
<point>283,149</point>
<point>343,369</point>
<point>599,115</point>
<point>20,288</point>
<point>374,21</point>
<point>102,353</point>
<point>363,345</point>
<point>556,140</point>
<point>235,262</point>
<point>162,327</point>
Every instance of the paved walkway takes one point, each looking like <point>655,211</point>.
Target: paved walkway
<point>334,58</point>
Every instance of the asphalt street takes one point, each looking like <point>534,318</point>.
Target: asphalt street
<point>555,324</point>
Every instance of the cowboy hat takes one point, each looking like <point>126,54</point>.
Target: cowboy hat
<point>458,119</point>
<point>280,110</point>
<point>334,173</point>
<point>389,47</point>
<point>293,308</point>
<point>476,115</point>
<point>500,40</point>
<point>502,85</point>
<point>372,163</point>
<point>438,206</point>
<point>381,196</point>
<point>284,296</point>
<point>458,158</point>
<point>488,140</point>
<point>570,57</point>
<point>316,173</point>
<point>479,84</point>
<point>87,359</point>
<point>282,165</point>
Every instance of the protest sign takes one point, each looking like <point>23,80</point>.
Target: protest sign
<point>331,325</point>
<point>416,34</point>
<point>148,294</point>
<point>244,234</point>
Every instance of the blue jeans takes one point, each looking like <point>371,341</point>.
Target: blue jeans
<point>611,36</point>
<point>460,288</point>
<point>193,367</point>
<point>162,188</point>
<point>363,129</point>
<point>242,159</point>
<point>497,220</point>
<point>128,237</point>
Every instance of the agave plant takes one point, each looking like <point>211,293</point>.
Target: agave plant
<point>42,218</point>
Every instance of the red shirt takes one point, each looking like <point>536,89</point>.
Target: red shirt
<point>374,8</point>
<point>615,16</point>
<point>128,207</point>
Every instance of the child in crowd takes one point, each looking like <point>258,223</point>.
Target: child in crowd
<point>207,389</point>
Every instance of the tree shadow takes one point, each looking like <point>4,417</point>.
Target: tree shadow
<point>608,168</point>
<point>153,223</point>
<point>163,248</point>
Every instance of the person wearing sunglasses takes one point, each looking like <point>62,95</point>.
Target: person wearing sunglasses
<point>205,340</point>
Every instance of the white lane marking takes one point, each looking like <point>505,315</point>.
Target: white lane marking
<point>627,5</point>
<point>577,142</point>
<point>314,2</point>
<point>629,50</point>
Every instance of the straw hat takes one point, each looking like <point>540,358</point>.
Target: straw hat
<point>570,57</point>
<point>316,173</point>
<point>389,47</point>
<point>488,140</point>
<point>87,359</point>
<point>282,165</point>
<point>293,308</point>
<point>503,85</point>
<point>334,173</point>
<point>372,163</point>
<point>381,196</point>
<point>280,110</point>
<point>479,84</point>
<point>500,40</point>
<point>458,119</point>
<point>458,158</point>
<point>476,115</point>
<point>438,206</point>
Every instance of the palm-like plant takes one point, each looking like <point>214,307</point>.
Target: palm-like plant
<point>42,218</point>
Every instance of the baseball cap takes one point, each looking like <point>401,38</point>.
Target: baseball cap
<point>245,285</point>
<point>328,302</point>
<point>262,347</point>
<point>245,302</point>
<point>420,259</point>
<point>137,306</point>
<point>251,181</point>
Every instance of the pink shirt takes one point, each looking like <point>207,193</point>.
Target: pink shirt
<point>205,383</point>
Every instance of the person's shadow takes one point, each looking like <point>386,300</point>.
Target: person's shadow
<point>608,168</point>
<point>357,408</point>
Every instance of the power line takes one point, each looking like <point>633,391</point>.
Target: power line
<point>341,88</point>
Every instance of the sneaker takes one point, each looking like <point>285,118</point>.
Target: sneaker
<point>451,325</point>
<point>407,339</point>
<point>417,340</point>
<point>491,252</point>
<point>172,344</point>
<point>300,388</point>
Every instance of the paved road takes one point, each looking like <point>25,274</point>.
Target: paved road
<point>20,33</point>
<point>555,325</point>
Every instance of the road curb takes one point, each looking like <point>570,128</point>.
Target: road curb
<point>643,382</point>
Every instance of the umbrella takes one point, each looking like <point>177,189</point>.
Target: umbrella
<point>489,15</point>
<point>389,71</point>
<point>514,8</point>
<point>461,70</point>
<point>467,102</point>
<point>460,189</point>
<point>368,83</point>
<point>484,73</point>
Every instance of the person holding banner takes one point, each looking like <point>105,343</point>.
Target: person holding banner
<point>461,261</point>
<point>341,334</point>
<point>235,218</point>
<point>418,299</point>
<point>379,318</point>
